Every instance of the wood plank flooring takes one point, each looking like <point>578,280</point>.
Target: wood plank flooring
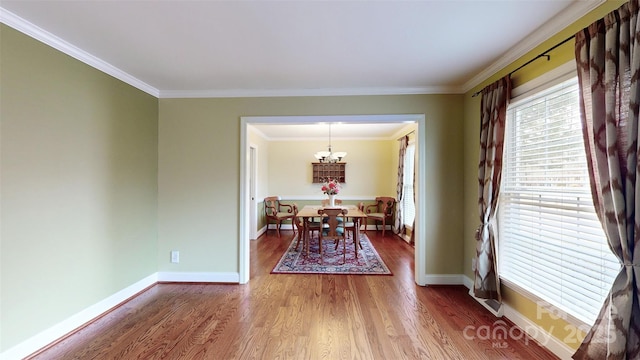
<point>282,316</point>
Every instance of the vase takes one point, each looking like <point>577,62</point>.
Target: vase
<point>332,200</point>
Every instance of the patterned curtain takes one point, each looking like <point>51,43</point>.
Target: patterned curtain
<point>495,98</point>
<point>399,224</point>
<point>412,241</point>
<point>608,59</point>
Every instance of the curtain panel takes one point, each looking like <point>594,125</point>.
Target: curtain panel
<point>399,223</point>
<point>608,61</point>
<point>495,98</point>
<point>412,239</point>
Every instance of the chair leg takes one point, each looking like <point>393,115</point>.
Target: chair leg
<point>355,245</point>
<point>344,250</point>
<point>298,242</point>
<point>383,227</point>
<point>353,236</point>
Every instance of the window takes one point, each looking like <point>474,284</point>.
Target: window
<point>551,243</point>
<point>408,206</point>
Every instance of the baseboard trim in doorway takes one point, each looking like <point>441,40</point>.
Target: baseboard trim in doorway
<point>443,279</point>
<point>199,277</point>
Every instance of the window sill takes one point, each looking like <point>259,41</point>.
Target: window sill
<point>544,307</point>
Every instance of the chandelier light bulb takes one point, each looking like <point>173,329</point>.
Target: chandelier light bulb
<point>329,156</point>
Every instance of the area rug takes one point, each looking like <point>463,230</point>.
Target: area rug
<point>297,262</point>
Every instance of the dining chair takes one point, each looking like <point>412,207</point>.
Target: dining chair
<point>333,229</point>
<point>381,212</point>
<point>350,226</point>
<point>276,211</point>
<point>299,224</point>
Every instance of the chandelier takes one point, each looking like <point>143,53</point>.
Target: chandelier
<point>329,156</point>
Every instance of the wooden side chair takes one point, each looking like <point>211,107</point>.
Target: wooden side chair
<point>381,212</point>
<point>333,229</point>
<point>350,227</point>
<point>276,211</point>
<point>299,224</point>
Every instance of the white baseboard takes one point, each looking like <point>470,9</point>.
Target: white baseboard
<point>282,226</point>
<point>557,347</point>
<point>199,277</point>
<point>468,282</point>
<point>72,323</point>
<point>443,279</point>
<point>260,232</point>
<point>89,314</point>
<point>544,338</point>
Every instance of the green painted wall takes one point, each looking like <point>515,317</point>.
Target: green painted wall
<point>199,173</point>
<point>78,186</point>
<point>558,327</point>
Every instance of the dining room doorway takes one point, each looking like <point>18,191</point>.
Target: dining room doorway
<point>246,222</point>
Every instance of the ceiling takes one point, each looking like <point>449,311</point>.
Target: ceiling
<point>221,48</point>
<point>251,48</point>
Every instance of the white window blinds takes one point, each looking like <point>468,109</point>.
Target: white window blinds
<point>550,241</point>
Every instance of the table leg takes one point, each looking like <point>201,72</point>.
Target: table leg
<point>307,236</point>
<point>356,234</point>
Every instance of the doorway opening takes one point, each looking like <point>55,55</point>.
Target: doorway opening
<point>246,181</point>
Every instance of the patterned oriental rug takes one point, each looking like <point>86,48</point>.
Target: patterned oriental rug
<point>297,262</point>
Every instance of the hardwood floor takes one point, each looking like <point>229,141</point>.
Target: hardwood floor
<point>282,316</point>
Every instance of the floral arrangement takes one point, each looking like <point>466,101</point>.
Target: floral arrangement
<point>331,187</point>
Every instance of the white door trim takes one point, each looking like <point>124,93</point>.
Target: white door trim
<point>421,193</point>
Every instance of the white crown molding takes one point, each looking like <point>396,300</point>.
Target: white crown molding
<point>16,22</point>
<point>571,14</point>
<point>245,93</point>
<point>566,17</point>
<point>46,37</point>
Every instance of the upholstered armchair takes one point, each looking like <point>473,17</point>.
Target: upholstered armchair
<point>276,211</point>
<point>381,212</point>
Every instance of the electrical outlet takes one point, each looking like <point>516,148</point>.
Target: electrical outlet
<point>175,256</point>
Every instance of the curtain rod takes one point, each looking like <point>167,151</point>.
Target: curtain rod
<point>407,134</point>
<point>542,54</point>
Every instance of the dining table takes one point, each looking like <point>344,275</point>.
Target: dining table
<point>311,211</point>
